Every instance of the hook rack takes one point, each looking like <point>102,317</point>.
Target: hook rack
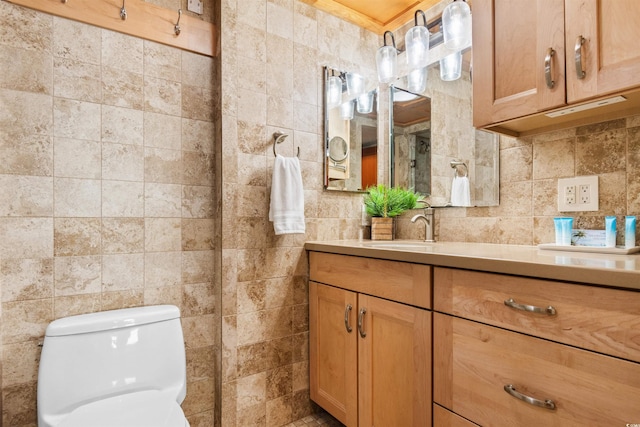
<point>138,18</point>
<point>278,137</point>
<point>460,167</point>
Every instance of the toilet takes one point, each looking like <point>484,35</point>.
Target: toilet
<point>118,368</point>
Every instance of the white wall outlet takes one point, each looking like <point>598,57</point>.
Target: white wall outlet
<point>579,194</point>
<point>195,6</point>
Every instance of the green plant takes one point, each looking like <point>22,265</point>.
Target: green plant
<point>389,202</point>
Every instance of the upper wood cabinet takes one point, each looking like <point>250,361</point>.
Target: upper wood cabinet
<point>529,57</point>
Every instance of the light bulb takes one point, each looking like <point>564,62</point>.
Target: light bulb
<point>346,110</point>
<point>451,67</point>
<point>334,91</point>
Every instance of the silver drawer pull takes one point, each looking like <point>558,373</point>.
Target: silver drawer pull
<point>547,68</point>
<point>530,308</point>
<point>363,311</point>
<point>547,403</point>
<point>580,73</point>
<point>347,311</point>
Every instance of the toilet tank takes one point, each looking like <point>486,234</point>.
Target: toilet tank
<point>94,356</point>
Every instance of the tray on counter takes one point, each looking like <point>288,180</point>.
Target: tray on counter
<point>618,250</point>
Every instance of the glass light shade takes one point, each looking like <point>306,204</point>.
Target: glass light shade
<point>417,80</point>
<point>346,110</point>
<point>456,25</point>
<point>451,67</point>
<point>365,103</point>
<point>387,62</point>
<point>416,42</point>
<point>334,91</point>
<point>355,84</point>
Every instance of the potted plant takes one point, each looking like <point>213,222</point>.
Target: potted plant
<point>383,204</point>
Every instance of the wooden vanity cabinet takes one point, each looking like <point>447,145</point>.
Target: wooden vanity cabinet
<point>370,355</point>
<point>514,41</point>
<point>521,351</point>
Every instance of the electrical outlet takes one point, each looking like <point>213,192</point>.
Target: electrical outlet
<point>579,194</point>
<point>195,6</point>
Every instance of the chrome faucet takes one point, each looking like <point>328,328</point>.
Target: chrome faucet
<point>427,217</point>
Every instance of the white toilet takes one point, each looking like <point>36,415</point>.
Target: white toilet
<point>119,368</point>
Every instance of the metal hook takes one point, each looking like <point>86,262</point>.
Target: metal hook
<point>415,17</point>
<point>278,137</point>
<point>393,39</point>
<point>123,11</point>
<point>176,28</point>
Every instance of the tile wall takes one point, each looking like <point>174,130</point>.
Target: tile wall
<point>272,57</point>
<point>106,192</point>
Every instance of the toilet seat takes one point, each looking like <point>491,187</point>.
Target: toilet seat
<point>142,409</point>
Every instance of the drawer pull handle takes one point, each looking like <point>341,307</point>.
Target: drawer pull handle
<point>550,310</point>
<point>547,68</point>
<point>361,321</point>
<point>580,73</point>
<point>347,311</point>
<point>547,403</point>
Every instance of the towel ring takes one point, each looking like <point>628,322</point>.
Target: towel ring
<point>278,137</point>
<point>460,167</point>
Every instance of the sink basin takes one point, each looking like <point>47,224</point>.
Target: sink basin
<point>412,246</point>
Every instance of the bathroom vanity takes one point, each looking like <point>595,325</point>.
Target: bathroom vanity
<point>504,335</point>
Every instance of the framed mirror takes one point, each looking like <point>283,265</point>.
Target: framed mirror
<point>350,132</point>
<point>434,147</point>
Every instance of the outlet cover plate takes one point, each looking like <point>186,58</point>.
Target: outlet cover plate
<point>580,202</point>
<point>195,6</point>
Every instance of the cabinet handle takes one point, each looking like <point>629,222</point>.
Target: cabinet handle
<point>347,311</point>
<point>547,403</point>
<point>547,68</point>
<point>550,310</point>
<point>361,321</point>
<point>578,50</point>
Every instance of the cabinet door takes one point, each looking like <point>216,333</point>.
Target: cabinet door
<point>511,39</point>
<point>394,364</point>
<point>333,352</point>
<point>474,364</point>
<point>610,54</point>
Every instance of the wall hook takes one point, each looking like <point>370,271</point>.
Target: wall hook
<point>176,28</point>
<point>123,11</point>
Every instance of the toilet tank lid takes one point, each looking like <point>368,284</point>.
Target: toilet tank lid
<point>112,319</point>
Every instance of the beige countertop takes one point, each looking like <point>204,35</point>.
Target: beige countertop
<point>612,270</point>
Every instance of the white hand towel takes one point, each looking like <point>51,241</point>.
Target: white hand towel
<point>286,210</point>
<point>460,194</point>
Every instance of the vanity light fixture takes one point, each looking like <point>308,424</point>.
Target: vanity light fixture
<point>334,90</point>
<point>346,110</point>
<point>417,80</point>
<point>456,25</point>
<point>355,84</point>
<point>416,43</point>
<point>387,60</point>
<point>451,67</point>
<point>364,103</point>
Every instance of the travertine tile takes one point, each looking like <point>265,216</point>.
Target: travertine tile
<point>601,152</point>
<point>35,111</point>
<point>200,363</point>
<point>161,61</point>
<point>122,299</point>
<point>77,236</point>
<point>197,267</point>
<point>162,131</point>
<point>200,397</point>
<point>24,196</point>
<point>122,162</point>
<point>122,272</point>
<point>197,103</point>
<point>279,411</point>
<point>199,331</point>
<point>77,275</point>
<point>122,199</point>
<point>122,88</point>
<point>198,135</point>
<point>76,158</point>
<point>30,70</point>
<point>76,80</point>
<point>76,119</point>
<point>163,295</point>
<point>122,125</point>
<point>124,50</point>
<point>162,96</point>
<point>197,202</point>
<point>197,70</point>
<point>198,299</point>
<point>279,382</point>
<point>197,168</point>
<point>19,404</point>
<point>26,155</point>
<point>162,269</point>
<point>76,197</point>
<point>122,235</point>
<point>163,165</point>
<point>25,320</point>
<point>197,234</point>
<point>163,234</point>
<point>73,305</point>
<point>20,363</point>
<point>25,279</point>
<point>26,237</point>
<point>25,28</point>
<point>162,200</point>
<point>73,40</point>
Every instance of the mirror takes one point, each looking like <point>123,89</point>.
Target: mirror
<point>435,149</point>
<point>350,133</point>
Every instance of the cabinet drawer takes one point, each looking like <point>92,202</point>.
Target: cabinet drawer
<point>600,319</point>
<point>394,280</point>
<point>444,418</point>
<point>474,362</point>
